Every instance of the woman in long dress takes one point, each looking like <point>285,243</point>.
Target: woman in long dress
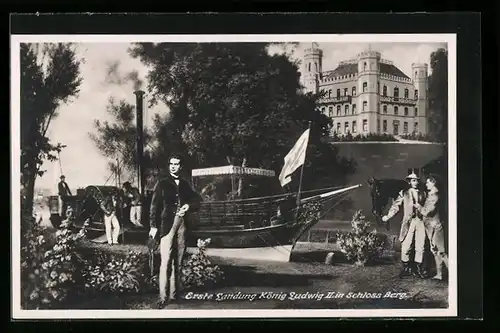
<point>434,225</point>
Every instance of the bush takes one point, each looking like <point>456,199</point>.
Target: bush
<point>198,271</point>
<point>111,273</point>
<point>309,212</point>
<point>130,273</point>
<point>360,245</point>
<point>361,137</point>
<point>49,267</point>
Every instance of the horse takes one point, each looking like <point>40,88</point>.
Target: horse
<point>381,190</point>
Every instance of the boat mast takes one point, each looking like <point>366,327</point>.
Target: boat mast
<point>139,95</point>
<point>301,175</point>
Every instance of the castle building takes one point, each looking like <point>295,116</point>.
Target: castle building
<point>369,94</point>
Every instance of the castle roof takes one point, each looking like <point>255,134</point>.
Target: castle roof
<point>352,68</point>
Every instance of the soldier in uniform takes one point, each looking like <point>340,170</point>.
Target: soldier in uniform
<point>412,233</point>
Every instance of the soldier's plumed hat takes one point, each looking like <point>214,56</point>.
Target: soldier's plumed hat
<point>413,174</point>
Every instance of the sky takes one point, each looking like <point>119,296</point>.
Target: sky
<point>106,72</point>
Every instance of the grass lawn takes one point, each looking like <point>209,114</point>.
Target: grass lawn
<point>249,277</point>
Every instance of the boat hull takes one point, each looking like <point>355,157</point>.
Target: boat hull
<point>271,236</point>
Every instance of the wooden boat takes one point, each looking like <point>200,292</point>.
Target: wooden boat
<point>252,222</point>
<point>262,224</point>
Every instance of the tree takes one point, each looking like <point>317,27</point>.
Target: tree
<point>234,103</point>
<point>438,95</point>
<point>50,76</point>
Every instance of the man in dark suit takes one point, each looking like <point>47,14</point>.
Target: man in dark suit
<point>63,192</point>
<point>172,198</point>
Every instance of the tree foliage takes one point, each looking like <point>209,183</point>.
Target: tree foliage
<point>438,96</point>
<point>232,103</point>
<point>50,76</point>
<point>235,103</point>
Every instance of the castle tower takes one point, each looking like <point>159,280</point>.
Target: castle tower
<point>313,66</point>
<point>420,80</point>
<point>368,90</point>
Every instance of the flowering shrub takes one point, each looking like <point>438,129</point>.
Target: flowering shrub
<point>360,245</point>
<point>49,267</point>
<point>110,273</point>
<point>197,270</point>
<point>309,211</point>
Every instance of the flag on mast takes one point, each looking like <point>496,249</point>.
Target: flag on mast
<point>295,158</point>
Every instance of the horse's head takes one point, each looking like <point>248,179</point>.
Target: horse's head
<point>375,192</point>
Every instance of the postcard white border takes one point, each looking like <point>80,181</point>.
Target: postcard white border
<point>18,313</point>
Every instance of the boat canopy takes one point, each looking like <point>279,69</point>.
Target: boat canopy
<point>231,170</point>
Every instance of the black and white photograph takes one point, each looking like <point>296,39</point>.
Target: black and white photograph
<point>234,176</point>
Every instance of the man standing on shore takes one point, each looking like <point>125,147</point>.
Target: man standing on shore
<point>172,198</point>
<point>412,226</point>
<point>63,191</point>
<point>134,202</point>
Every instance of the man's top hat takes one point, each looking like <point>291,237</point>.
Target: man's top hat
<point>62,176</point>
<point>413,174</point>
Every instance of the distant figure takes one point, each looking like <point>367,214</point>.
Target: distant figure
<point>63,192</point>
<point>111,223</point>
<point>134,202</point>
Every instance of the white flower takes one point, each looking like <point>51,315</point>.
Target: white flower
<point>53,274</point>
<point>58,233</point>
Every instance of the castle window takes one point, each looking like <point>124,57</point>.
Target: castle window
<point>415,128</point>
<point>365,86</point>
<point>396,111</point>
<point>416,94</point>
<point>378,125</point>
<point>406,111</point>
<point>354,109</point>
<point>364,66</point>
<point>338,93</point>
<point>416,74</point>
<point>346,127</point>
<point>416,112</point>
<point>309,67</point>
<point>396,92</point>
<point>406,93</point>
<point>346,91</point>
<point>316,67</point>
<point>405,127</point>
<point>395,125</point>
<point>384,91</point>
<point>378,88</point>
<point>330,111</point>
<point>323,109</point>
<point>354,91</point>
<point>365,105</point>
<point>339,127</point>
<point>384,126</point>
<point>384,108</point>
<point>330,93</point>
<point>346,110</point>
<point>378,107</point>
<point>338,110</point>
<point>365,125</point>
<point>354,129</point>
